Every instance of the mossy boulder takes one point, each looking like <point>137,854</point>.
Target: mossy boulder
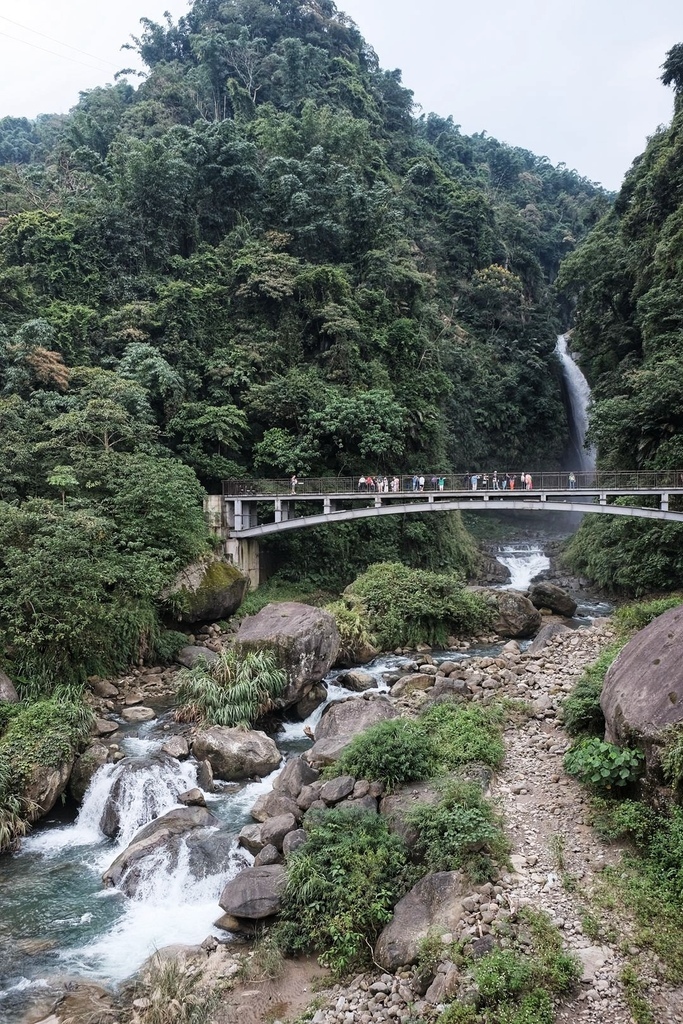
<point>206,591</point>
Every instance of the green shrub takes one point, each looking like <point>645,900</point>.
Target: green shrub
<point>461,831</point>
<point>620,819</point>
<point>351,617</point>
<point>631,618</point>
<point>672,757</point>
<point>391,752</point>
<point>465,733</point>
<point>341,888</point>
<point>581,710</point>
<point>603,765</point>
<point>409,606</point>
<point>233,690</point>
<point>168,643</point>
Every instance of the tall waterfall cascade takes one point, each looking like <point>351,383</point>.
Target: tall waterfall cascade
<point>579,395</point>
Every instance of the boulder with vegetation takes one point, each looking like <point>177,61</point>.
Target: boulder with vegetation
<point>235,689</point>
<point>341,721</point>
<point>206,591</point>
<point>8,693</point>
<point>642,696</point>
<point>236,753</point>
<point>512,614</point>
<point>303,640</point>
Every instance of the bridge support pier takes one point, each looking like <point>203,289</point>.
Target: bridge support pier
<point>245,555</point>
<point>664,503</point>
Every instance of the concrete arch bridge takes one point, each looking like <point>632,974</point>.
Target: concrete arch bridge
<point>249,509</point>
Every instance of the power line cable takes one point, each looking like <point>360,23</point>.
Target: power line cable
<point>58,41</point>
<point>53,52</point>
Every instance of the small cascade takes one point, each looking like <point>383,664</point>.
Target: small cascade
<point>524,562</point>
<point>579,394</point>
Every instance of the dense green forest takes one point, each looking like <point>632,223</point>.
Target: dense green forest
<point>258,260</point>
<point>627,282</point>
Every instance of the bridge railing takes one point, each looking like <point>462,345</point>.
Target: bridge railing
<point>607,480</point>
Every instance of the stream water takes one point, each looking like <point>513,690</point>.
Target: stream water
<point>56,917</point>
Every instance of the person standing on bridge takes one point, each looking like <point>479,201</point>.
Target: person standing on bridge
<point>421,483</point>
<point>442,482</point>
<point>494,480</point>
<point>362,484</point>
<point>474,480</point>
<point>528,482</point>
<point>293,482</point>
<point>416,482</point>
<point>572,481</point>
<point>512,481</point>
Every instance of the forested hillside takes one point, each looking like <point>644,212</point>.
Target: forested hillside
<point>627,279</point>
<point>256,260</point>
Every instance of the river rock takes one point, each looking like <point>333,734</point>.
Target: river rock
<point>296,774</point>
<point>178,747</point>
<point>102,687</point>
<point>316,696</point>
<point>304,639</point>
<point>357,680</point>
<point>292,841</point>
<point>250,838</point>
<point>416,681</point>
<point>274,830</point>
<point>268,855</point>
<point>236,753</point>
<point>139,714</point>
<point>255,893</point>
<point>545,636</point>
<point>84,768</point>
<point>104,727</point>
<point>343,720</point>
<point>42,788</point>
<point>206,591</point>
<point>128,869</point>
<point>189,656</point>
<point>272,805</point>
<point>432,906</point>
<point>192,798</point>
<point>205,776</point>
<point>337,789</point>
<point>547,595</point>
<point>8,693</point>
<point>515,614</point>
<point>643,692</point>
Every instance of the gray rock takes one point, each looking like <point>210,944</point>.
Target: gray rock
<point>274,830</point>
<point>270,805</point>
<point>296,774</point>
<point>255,893</point>
<point>206,591</point>
<point>84,768</point>
<point>416,681</point>
<point>343,720</point>
<point>236,753</point>
<point>102,688</point>
<point>336,789</point>
<point>138,714</point>
<point>316,696</point>
<point>250,838</point>
<point>545,635</point>
<point>450,688</point>
<point>178,747</point>
<point>547,595</point>
<point>192,798</point>
<point>360,803</point>
<point>642,696</point>
<point>357,680</point>
<point>189,656</point>
<point>8,693</point>
<point>293,840</point>
<point>304,639</point>
<point>396,807</point>
<point>41,789</point>
<point>306,797</point>
<point>205,776</point>
<point>104,727</point>
<point>268,855</point>
<point>431,906</point>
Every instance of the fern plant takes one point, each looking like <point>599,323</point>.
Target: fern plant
<point>234,690</point>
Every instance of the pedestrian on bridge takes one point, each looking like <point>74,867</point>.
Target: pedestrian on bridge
<point>362,484</point>
<point>572,481</point>
<point>293,482</point>
<point>416,482</point>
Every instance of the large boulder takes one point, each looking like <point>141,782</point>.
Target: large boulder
<point>236,753</point>
<point>304,640</point>
<point>206,591</point>
<point>8,693</point>
<point>169,833</point>
<point>515,614</point>
<point>643,692</point>
<point>255,893</point>
<point>43,788</point>
<point>547,595</point>
<point>343,720</point>
<point>296,774</point>
<point>433,905</point>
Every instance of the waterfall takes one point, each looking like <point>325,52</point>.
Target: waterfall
<point>579,394</point>
<point>524,562</point>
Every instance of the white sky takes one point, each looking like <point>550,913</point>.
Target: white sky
<point>574,80</point>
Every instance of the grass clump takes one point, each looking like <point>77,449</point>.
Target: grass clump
<point>233,690</point>
<point>631,618</point>
<point>462,832</point>
<point>175,996</point>
<point>465,734</point>
<point>355,636</point>
<point>581,711</point>
<point>342,886</point>
<point>518,985</point>
<point>409,606</point>
<point>392,752</point>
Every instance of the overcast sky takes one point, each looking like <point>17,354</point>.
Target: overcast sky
<point>574,80</point>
